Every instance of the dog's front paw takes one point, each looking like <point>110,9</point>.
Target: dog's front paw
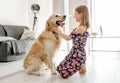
<point>54,73</point>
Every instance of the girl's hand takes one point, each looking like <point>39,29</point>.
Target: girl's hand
<point>55,29</point>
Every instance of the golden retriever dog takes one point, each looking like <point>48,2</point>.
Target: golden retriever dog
<point>44,48</point>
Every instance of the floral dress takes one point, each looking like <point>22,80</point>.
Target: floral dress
<point>76,57</point>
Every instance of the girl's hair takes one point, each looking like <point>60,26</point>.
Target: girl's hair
<point>85,15</point>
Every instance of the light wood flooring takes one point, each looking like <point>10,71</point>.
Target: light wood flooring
<point>101,68</point>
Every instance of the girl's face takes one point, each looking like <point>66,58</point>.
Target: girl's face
<point>77,16</point>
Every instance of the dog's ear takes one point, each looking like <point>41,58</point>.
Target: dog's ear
<point>48,26</point>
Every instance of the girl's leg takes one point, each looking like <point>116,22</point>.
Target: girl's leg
<point>63,72</point>
<point>66,70</point>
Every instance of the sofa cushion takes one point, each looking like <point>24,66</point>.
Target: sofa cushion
<point>14,30</point>
<point>27,34</point>
<point>4,38</point>
<point>2,31</point>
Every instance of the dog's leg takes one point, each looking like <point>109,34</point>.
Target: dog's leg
<point>49,63</point>
<point>53,67</point>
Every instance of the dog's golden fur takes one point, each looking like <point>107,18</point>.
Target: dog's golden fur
<point>42,51</point>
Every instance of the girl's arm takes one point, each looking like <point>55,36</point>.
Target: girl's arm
<point>81,29</point>
<point>63,35</point>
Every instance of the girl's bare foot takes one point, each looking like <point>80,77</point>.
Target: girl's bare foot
<point>83,69</point>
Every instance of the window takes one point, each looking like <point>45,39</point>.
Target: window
<point>106,14</point>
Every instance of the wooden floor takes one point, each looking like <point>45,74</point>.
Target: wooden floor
<point>101,68</point>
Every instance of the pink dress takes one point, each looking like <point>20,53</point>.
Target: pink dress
<point>76,57</point>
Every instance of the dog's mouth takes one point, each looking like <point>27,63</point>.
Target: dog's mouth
<point>61,22</point>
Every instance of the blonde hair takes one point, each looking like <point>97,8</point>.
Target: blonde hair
<point>85,15</point>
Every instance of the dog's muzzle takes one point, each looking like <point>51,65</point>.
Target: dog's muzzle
<point>61,22</point>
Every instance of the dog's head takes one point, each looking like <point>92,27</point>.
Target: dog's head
<point>55,20</point>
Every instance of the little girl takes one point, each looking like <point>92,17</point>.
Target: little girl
<point>75,60</point>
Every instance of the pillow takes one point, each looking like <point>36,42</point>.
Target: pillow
<point>27,34</point>
<point>4,38</point>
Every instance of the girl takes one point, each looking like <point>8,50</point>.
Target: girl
<point>75,60</point>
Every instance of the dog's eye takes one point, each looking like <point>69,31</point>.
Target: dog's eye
<point>56,15</point>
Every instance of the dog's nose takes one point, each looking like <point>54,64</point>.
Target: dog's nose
<point>64,16</point>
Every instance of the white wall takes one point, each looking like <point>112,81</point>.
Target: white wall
<point>18,12</point>
<point>13,12</point>
<point>58,6</point>
<point>44,13</point>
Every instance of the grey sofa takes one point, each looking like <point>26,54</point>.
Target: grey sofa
<point>11,50</point>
